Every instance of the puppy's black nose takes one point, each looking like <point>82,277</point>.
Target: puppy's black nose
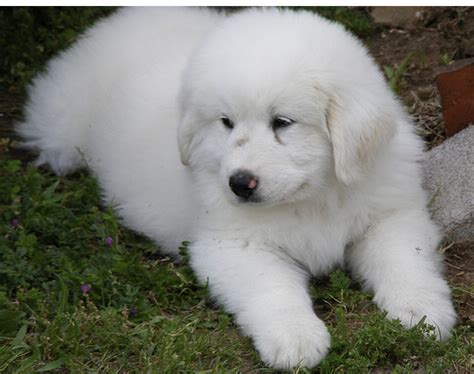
<point>243,184</point>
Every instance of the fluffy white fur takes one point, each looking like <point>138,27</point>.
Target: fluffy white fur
<point>341,185</point>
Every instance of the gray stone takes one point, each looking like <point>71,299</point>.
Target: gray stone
<point>449,179</point>
<point>404,17</point>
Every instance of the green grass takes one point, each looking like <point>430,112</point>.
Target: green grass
<point>141,312</point>
<point>145,313</point>
<point>30,36</point>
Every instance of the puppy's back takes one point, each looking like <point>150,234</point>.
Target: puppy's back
<point>69,97</point>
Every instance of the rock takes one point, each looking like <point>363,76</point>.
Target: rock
<point>449,179</point>
<point>425,92</point>
<point>404,17</point>
<point>456,87</point>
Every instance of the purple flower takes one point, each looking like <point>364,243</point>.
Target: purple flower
<point>15,222</point>
<point>85,288</point>
<point>109,242</point>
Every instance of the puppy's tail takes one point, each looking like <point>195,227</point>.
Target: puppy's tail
<point>56,119</point>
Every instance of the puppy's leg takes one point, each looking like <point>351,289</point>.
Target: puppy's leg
<point>268,297</point>
<point>398,261</point>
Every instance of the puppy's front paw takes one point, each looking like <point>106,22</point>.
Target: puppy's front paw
<point>294,340</point>
<point>412,305</point>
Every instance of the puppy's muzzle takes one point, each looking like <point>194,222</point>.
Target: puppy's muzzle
<point>243,184</point>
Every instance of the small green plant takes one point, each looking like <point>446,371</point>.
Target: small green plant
<point>394,75</point>
<point>445,59</point>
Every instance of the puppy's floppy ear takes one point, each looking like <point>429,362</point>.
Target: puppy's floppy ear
<point>185,139</point>
<point>359,125</point>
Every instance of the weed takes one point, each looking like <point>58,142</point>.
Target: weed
<point>394,75</point>
<point>445,59</point>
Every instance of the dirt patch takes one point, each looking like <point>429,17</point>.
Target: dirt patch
<point>442,35</point>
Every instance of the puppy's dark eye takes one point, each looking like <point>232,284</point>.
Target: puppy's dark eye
<point>227,122</point>
<point>281,122</point>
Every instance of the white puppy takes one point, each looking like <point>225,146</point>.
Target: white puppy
<point>301,160</point>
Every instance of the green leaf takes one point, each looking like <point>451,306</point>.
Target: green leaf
<point>68,35</point>
<point>62,297</point>
<point>9,320</point>
<point>13,166</point>
<point>403,66</point>
<point>18,341</point>
<point>388,71</point>
<point>52,365</point>
<point>28,363</point>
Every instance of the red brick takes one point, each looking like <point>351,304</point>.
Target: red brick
<point>456,86</point>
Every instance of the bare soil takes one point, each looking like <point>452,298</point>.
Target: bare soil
<point>441,36</point>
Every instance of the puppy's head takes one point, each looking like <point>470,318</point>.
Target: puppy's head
<point>278,105</point>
